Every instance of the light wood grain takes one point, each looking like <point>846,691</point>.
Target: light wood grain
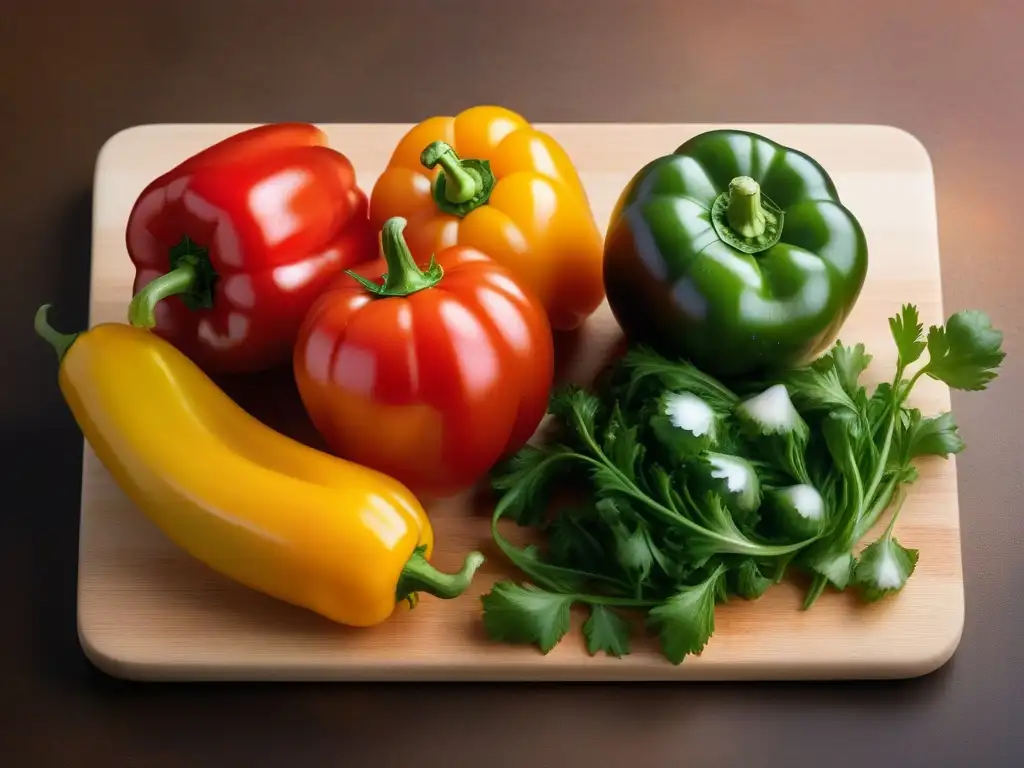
<point>148,611</point>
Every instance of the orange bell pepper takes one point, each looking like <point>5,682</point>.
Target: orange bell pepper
<point>488,179</point>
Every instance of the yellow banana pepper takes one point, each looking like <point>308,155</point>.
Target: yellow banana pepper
<point>488,179</point>
<point>262,509</point>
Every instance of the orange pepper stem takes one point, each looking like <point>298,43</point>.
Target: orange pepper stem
<point>60,342</point>
<point>403,276</point>
<point>462,185</point>
<point>419,575</point>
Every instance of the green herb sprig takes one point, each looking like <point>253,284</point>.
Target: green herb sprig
<point>694,494</point>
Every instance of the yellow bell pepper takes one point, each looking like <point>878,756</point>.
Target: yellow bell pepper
<point>262,509</point>
<point>486,178</point>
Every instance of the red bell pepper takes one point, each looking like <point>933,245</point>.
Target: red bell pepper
<point>431,376</point>
<point>233,245</point>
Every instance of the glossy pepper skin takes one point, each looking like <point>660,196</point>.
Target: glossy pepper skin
<point>430,376</point>
<point>231,246</point>
<point>258,507</point>
<point>733,252</point>
<point>487,179</point>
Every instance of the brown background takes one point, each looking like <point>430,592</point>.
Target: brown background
<point>71,74</point>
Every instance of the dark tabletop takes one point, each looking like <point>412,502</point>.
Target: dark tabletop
<point>73,73</point>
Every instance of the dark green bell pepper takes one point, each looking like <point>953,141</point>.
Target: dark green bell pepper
<point>733,252</point>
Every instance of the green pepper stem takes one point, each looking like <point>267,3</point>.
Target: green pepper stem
<point>403,276</point>
<point>419,575</point>
<point>177,281</point>
<point>60,342</point>
<point>745,213</point>
<point>462,182</point>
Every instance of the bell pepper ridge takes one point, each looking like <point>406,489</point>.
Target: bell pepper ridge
<point>419,575</point>
<point>403,276</point>
<point>462,185</point>
<point>61,342</point>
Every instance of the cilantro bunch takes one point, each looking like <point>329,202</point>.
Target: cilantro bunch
<point>691,493</point>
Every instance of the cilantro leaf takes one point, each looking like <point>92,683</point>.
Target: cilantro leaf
<point>633,551</point>
<point>879,404</point>
<point>621,444</point>
<point>734,479</point>
<point>775,430</point>
<point>771,412</point>
<point>685,424</point>
<point>722,594</point>
<point>572,540</point>
<point>606,632</point>
<point>907,332</point>
<point>835,567</point>
<point>849,364</point>
<point>838,371</point>
<point>524,614</point>
<point>749,582</point>
<point>527,559</point>
<point>577,408</point>
<point>525,479</point>
<point>933,436</point>
<point>796,512</point>
<point>814,389</point>
<point>966,352</point>
<point>610,483</point>
<point>686,621</point>
<point>641,364</point>
<point>884,567</point>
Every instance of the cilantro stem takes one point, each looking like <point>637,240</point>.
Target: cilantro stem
<point>884,497</point>
<point>733,546</point>
<point>877,509</point>
<point>913,380</point>
<point>724,542</point>
<point>844,537</point>
<point>859,496</point>
<point>818,584</point>
<point>545,574</point>
<point>643,363</point>
<point>897,401</point>
<point>858,519</point>
<point>614,602</point>
<point>901,497</point>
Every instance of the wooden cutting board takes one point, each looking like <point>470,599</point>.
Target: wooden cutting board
<point>148,611</point>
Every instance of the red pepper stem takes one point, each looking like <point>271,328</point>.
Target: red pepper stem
<point>419,575</point>
<point>60,342</point>
<point>745,213</point>
<point>403,276</point>
<point>177,281</point>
